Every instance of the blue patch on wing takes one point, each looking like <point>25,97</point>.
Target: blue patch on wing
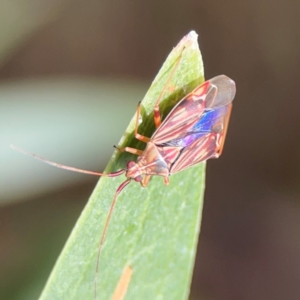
<point>208,120</point>
<point>201,128</point>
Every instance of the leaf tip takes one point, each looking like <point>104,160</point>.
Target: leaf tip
<point>189,40</point>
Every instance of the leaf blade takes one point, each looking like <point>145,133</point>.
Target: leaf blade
<point>153,230</point>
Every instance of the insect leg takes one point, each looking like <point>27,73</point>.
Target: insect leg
<point>145,181</point>
<point>130,150</point>
<point>157,115</point>
<point>136,134</point>
<point>166,180</point>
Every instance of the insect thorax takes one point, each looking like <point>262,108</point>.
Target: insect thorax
<point>151,161</point>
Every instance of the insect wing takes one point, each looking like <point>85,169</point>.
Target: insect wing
<point>226,91</point>
<point>210,145</point>
<point>216,92</point>
<point>182,116</point>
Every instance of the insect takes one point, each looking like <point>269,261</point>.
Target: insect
<point>194,131</point>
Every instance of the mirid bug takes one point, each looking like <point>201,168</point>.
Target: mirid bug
<point>193,131</point>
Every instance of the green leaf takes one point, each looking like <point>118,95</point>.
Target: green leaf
<point>154,230</point>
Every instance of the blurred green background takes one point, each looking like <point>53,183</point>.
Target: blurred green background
<point>71,74</point>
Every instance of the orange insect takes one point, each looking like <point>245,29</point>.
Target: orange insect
<point>194,131</point>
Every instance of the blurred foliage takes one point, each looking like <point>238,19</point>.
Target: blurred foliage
<point>59,118</point>
<point>21,18</point>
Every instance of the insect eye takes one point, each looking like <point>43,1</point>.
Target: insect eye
<point>130,164</point>
<point>138,178</point>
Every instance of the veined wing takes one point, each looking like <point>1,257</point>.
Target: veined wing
<point>216,92</point>
<point>205,146</point>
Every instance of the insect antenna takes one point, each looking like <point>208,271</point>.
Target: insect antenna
<point>170,76</point>
<point>52,163</point>
<point>112,206</point>
<point>157,116</point>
